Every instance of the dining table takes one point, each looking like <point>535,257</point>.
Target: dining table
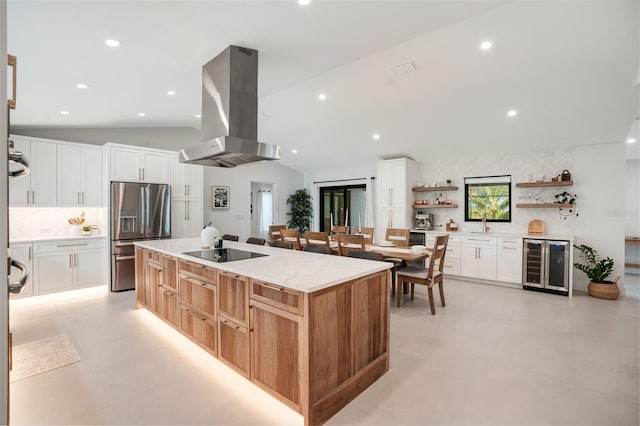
<point>405,253</point>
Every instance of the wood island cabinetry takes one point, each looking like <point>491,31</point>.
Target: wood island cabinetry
<point>314,351</point>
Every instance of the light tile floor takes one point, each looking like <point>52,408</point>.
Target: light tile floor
<point>494,355</point>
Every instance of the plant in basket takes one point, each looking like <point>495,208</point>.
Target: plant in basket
<point>597,270</point>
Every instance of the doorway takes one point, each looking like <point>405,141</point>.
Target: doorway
<point>262,208</point>
<point>338,201</point>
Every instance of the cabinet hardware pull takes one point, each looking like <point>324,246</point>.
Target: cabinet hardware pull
<point>29,252</point>
<point>185,190</point>
<point>143,173</point>
<point>509,248</point>
<point>185,209</point>
<point>71,245</point>
<point>75,260</point>
<point>70,262</point>
<point>12,61</point>
<point>188,212</point>
<point>28,197</point>
<point>124,258</point>
<point>33,197</point>
<point>82,198</point>
<point>389,201</point>
<point>78,198</point>
<point>235,327</point>
<point>271,286</point>
<point>188,189</point>
<point>479,239</point>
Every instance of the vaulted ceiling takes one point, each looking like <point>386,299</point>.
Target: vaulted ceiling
<point>568,68</point>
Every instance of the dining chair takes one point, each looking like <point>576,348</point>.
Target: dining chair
<point>337,230</point>
<point>367,233</point>
<point>291,236</point>
<point>426,276</point>
<point>317,238</point>
<point>398,236</point>
<point>255,240</point>
<point>230,237</point>
<point>274,232</point>
<point>317,249</point>
<point>356,243</point>
<point>281,244</point>
<point>369,255</point>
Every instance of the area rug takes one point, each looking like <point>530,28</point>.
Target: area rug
<point>43,355</point>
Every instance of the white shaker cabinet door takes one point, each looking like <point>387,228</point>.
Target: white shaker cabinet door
<point>156,167</point>
<point>468,260</point>
<point>20,187</point>
<point>89,268</point>
<point>91,172</point>
<point>125,164</point>
<point>52,272</point>
<point>179,178</point>
<point>186,218</point>
<point>43,174</point>
<point>69,175</point>
<point>487,258</point>
<point>194,221</point>
<point>510,264</point>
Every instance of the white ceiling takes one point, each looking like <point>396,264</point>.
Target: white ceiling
<point>567,66</point>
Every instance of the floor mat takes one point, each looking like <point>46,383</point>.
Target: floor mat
<point>43,355</point>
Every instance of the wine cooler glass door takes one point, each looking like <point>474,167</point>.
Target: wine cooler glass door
<point>557,270</point>
<point>534,256</point>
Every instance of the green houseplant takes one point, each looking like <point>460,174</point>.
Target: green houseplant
<point>301,210</point>
<point>597,270</point>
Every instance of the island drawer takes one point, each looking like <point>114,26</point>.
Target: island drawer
<point>198,295</point>
<point>170,272</point>
<point>234,345</point>
<point>278,296</point>
<point>200,329</point>
<point>170,310</point>
<point>233,297</point>
<point>198,271</point>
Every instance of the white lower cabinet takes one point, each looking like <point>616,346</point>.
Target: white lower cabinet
<point>23,253</point>
<point>66,265</point>
<point>478,257</point>
<point>510,260</point>
<point>451,257</point>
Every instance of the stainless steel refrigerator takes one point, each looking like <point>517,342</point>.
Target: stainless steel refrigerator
<point>546,265</point>
<point>139,211</point>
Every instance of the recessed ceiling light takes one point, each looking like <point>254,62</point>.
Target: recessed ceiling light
<point>376,136</point>
<point>171,92</point>
<point>295,151</point>
<point>322,97</point>
<point>112,43</point>
<point>64,112</point>
<point>512,113</point>
<point>198,116</point>
<point>304,2</point>
<point>486,45</point>
<point>81,86</point>
<point>141,114</point>
<point>631,140</point>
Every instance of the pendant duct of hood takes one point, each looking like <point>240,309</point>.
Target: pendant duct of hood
<point>230,113</point>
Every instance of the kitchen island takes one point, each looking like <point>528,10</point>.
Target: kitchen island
<point>310,329</point>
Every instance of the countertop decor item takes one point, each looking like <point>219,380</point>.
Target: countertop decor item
<point>597,270</point>
<point>208,235</point>
<point>565,175</point>
<point>86,230</point>
<point>536,227</point>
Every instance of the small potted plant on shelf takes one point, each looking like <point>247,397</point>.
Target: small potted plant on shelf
<point>86,230</point>
<point>597,270</point>
<point>449,182</point>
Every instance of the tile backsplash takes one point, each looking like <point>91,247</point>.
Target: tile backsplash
<point>50,222</point>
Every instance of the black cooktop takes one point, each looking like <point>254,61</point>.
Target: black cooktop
<point>224,254</point>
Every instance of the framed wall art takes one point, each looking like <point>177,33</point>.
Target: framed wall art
<point>220,197</point>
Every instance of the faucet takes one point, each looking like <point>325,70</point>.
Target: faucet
<point>485,228</point>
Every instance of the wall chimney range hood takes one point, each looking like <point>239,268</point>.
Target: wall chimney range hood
<point>230,113</point>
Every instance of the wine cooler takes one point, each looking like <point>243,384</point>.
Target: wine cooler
<point>546,265</point>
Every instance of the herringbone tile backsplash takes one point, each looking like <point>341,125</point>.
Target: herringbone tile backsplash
<point>519,165</point>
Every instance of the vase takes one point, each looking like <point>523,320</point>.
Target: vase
<point>208,236</point>
<point>75,230</point>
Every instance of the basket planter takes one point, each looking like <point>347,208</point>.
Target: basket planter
<point>606,290</point>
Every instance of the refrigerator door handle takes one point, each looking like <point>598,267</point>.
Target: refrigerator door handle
<point>147,203</point>
<point>545,265</point>
<point>16,286</point>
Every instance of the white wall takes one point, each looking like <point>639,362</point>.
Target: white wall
<point>170,138</point>
<point>599,176</point>
<point>236,219</point>
<point>632,198</point>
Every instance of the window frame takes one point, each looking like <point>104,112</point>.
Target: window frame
<point>473,182</point>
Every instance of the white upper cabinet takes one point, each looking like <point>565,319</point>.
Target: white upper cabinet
<point>39,187</point>
<point>79,176</point>
<point>187,180</point>
<point>140,165</point>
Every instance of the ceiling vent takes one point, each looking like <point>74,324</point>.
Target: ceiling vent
<point>404,68</point>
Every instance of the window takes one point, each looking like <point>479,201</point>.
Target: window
<point>489,195</point>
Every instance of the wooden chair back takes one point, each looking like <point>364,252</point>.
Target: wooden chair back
<point>255,240</point>
<point>337,230</point>
<point>274,232</point>
<point>356,243</point>
<point>398,236</point>
<point>437,255</point>
<point>281,244</point>
<point>291,236</point>
<point>317,238</point>
<point>367,233</point>
<point>369,255</point>
<point>318,249</point>
<point>230,237</point>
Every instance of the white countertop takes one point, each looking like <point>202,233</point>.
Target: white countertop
<point>56,238</point>
<point>495,234</point>
<point>299,270</point>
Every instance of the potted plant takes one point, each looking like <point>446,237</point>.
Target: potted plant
<point>598,270</point>
<point>449,182</point>
<point>86,230</point>
<point>301,210</point>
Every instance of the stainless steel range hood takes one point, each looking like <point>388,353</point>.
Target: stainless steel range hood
<point>230,113</point>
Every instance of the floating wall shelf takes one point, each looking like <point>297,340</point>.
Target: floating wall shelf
<point>545,206</point>
<point>434,188</point>
<point>542,184</point>
<point>435,206</point>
